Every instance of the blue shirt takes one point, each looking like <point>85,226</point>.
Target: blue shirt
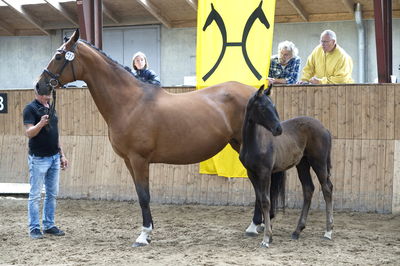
<point>290,72</point>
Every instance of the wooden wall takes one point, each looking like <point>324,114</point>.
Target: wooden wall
<point>364,121</point>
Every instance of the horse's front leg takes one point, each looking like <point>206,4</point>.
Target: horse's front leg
<point>265,184</point>
<point>139,169</point>
<point>256,226</point>
<point>261,183</point>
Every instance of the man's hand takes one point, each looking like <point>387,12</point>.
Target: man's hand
<point>315,80</point>
<point>64,163</point>
<point>44,120</point>
<point>271,80</point>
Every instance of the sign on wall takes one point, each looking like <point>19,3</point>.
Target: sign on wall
<point>3,103</point>
<point>234,42</point>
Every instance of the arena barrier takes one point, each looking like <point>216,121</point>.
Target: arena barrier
<point>364,120</point>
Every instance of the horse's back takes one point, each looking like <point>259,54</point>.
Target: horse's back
<point>305,125</point>
<point>308,132</point>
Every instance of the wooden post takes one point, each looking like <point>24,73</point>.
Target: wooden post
<point>90,21</point>
<point>383,38</point>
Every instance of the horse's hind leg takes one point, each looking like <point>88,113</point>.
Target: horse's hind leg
<point>321,171</point>
<point>303,170</point>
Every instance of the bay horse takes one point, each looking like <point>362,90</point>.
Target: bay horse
<point>270,147</point>
<point>145,123</point>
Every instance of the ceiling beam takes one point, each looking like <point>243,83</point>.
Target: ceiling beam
<point>155,12</point>
<point>62,11</point>
<point>192,3</point>
<point>6,27</point>
<point>110,14</point>
<point>349,4</point>
<point>299,8</point>
<point>20,10</point>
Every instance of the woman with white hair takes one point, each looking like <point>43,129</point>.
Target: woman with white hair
<point>142,71</point>
<point>285,65</point>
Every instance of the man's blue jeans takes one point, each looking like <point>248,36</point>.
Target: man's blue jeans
<point>43,170</point>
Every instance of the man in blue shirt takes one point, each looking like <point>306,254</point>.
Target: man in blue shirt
<point>285,65</point>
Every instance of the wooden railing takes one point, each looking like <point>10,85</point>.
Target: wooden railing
<point>364,120</point>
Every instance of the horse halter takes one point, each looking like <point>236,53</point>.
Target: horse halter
<point>69,56</point>
<point>55,78</point>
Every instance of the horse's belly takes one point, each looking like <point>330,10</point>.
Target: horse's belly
<point>187,152</point>
<point>286,160</point>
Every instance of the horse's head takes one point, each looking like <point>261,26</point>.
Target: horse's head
<point>60,70</point>
<point>261,110</point>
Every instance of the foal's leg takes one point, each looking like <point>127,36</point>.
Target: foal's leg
<point>261,184</point>
<point>303,170</point>
<point>139,170</point>
<point>255,226</point>
<point>320,169</point>
<point>264,188</point>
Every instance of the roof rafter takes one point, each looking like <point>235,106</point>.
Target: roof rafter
<point>4,26</point>
<point>155,12</point>
<point>62,11</point>
<point>299,8</point>
<point>192,3</point>
<point>110,14</point>
<point>19,9</point>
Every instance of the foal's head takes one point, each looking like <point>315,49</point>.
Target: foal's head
<point>261,110</point>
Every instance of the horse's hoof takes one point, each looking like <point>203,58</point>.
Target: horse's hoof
<point>137,244</point>
<point>328,235</point>
<point>295,236</point>
<point>251,234</point>
<point>264,245</point>
<point>261,228</point>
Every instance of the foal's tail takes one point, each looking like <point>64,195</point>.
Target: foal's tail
<point>328,159</point>
<point>277,191</point>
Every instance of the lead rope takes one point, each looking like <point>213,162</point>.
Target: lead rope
<point>52,109</point>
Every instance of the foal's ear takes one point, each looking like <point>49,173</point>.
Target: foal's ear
<point>260,90</point>
<point>268,90</point>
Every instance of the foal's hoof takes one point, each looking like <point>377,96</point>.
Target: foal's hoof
<point>136,245</point>
<point>261,228</point>
<point>140,244</point>
<point>295,236</point>
<point>251,234</point>
<point>264,245</point>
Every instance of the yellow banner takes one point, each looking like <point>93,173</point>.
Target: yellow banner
<point>234,42</point>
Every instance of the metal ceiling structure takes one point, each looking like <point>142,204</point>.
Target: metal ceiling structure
<point>41,17</point>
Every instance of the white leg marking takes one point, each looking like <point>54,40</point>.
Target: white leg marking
<point>252,229</point>
<point>144,236</point>
<point>328,235</point>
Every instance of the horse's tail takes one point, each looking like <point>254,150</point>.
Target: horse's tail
<point>328,159</point>
<point>277,191</point>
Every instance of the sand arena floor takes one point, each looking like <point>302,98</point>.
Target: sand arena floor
<point>101,233</point>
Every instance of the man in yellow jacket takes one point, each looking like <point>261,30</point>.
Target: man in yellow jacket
<point>328,63</point>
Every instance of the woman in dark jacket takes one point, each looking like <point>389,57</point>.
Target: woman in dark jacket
<point>142,71</point>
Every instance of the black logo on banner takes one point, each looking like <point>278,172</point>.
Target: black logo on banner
<point>3,103</point>
<point>258,13</point>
